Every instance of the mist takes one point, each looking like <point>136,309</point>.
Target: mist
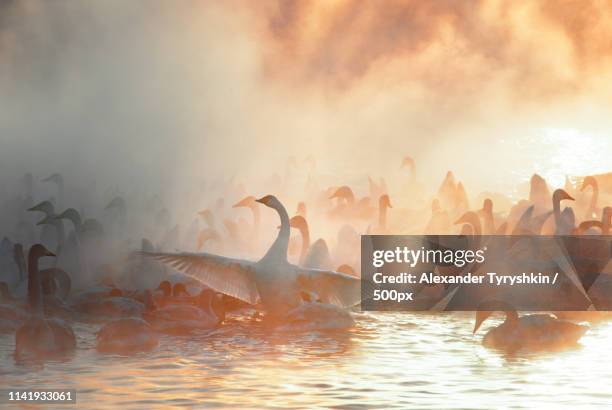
<point>174,98</point>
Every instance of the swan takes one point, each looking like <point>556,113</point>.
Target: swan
<point>40,336</point>
<point>528,224</point>
<point>51,232</point>
<point>299,222</point>
<point>586,228</point>
<point>89,225</point>
<point>447,191</point>
<point>271,282</point>
<point>564,225</point>
<point>592,210</point>
<point>377,190</point>
<point>208,312</point>
<point>384,203</point>
<point>487,216</point>
<point>125,336</point>
<point>11,269</point>
<point>311,256</point>
<point>348,206</point>
<point>531,332</point>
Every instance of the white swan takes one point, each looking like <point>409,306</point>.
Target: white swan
<point>272,281</point>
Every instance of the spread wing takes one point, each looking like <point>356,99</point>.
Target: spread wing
<point>229,276</point>
<point>333,287</point>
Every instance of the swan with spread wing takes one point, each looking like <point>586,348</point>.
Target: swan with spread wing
<point>272,282</point>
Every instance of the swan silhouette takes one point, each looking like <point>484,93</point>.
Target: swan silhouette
<point>272,282</point>
<point>40,336</point>
<point>531,332</point>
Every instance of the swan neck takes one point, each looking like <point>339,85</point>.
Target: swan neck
<point>34,286</point>
<point>557,212</point>
<point>278,250</point>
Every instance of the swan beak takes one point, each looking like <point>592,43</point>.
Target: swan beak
<point>261,200</point>
<point>49,253</point>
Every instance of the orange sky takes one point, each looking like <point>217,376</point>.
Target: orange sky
<point>236,87</point>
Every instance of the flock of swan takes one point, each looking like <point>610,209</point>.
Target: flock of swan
<point>58,267</point>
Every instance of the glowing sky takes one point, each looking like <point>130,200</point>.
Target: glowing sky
<point>231,87</point>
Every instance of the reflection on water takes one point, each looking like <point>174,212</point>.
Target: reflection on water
<point>389,360</point>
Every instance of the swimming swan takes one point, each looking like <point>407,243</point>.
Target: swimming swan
<point>40,336</point>
<point>531,332</point>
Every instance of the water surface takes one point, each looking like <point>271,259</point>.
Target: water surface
<point>390,360</point>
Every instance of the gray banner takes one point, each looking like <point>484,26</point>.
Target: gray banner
<point>37,396</point>
<point>456,272</point>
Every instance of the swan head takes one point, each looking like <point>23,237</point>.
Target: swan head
<point>247,202</point>
<point>486,309</point>
<point>270,201</point>
<point>44,206</point>
<point>384,201</point>
<point>589,182</point>
<point>38,251</point>
<point>298,222</point>
<point>343,192</point>
<point>560,195</point>
<point>165,287</point>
